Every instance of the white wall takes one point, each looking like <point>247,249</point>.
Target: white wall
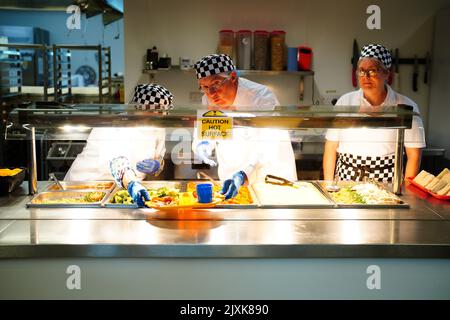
<point>190,28</point>
<point>439,116</point>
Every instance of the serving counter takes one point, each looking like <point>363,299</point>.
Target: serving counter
<point>226,253</point>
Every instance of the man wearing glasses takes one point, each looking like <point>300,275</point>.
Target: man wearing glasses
<point>370,152</point>
<point>252,153</point>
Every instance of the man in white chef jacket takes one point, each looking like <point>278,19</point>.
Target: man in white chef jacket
<point>129,154</point>
<point>252,153</point>
<point>363,152</point>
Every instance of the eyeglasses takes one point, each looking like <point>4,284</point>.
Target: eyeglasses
<point>368,73</point>
<point>214,87</point>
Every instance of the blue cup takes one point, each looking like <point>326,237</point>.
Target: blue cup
<point>292,63</point>
<point>204,192</point>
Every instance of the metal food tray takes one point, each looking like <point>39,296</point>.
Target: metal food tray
<point>253,205</point>
<point>322,185</point>
<point>331,203</point>
<point>89,186</point>
<point>53,195</point>
<point>148,184</point>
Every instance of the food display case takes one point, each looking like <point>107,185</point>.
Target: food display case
<point>292,119</point>
<point>270,227</point>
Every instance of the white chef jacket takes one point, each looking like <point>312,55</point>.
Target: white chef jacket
<point>376,142</point>
<point>105,144</point>
<point>257,152</point>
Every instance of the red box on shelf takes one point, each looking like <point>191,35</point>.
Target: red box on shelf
<point>304,58</point>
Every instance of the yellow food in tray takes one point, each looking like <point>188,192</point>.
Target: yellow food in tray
<point>89,197</point>
<point>9,172</point>
<point>243,196</point>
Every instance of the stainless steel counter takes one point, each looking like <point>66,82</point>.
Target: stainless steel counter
<point>423,231</point>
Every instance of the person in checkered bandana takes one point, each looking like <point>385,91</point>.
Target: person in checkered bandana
<point>251,153</point>
<point>353,154</point>
<point>152,97</point>
<point>128,154</point>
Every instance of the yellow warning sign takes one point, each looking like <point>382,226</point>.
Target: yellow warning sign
<point>215,125</point>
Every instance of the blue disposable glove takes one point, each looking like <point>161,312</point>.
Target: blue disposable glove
<point>204,151</point>
<point>231,186</point>
<point>138,192</point>
<point>149,166</point>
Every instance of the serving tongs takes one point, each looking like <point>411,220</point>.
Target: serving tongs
<point>280,181</point>
<point>55,179</point>
<point>334,187</point>
<point>206,176</point>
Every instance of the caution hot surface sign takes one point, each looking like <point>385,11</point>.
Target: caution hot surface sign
<point>214,125</point>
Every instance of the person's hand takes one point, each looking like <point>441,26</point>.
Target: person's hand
<point>204,151</point>
<point>231,186</point>
<point>138,192</point>
<point>148,166</point>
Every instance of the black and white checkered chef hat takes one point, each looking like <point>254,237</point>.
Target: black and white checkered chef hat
<point>152,97</point>
<point>213,64</point>
<point>378,52</point>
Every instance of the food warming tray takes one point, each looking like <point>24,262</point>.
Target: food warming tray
<point>349,184</point>
<point>39,200</point>
<point>82,185</point>
<point>269,195</point>
<point>148,184</point>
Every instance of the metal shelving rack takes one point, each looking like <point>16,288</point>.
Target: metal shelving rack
<point>10,73</point>
<point>104,69</point>
<point>7,62</point>
<point>62,73</point>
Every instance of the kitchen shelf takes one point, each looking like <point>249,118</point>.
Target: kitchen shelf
<point>302,75</point>
<point>242,72</point>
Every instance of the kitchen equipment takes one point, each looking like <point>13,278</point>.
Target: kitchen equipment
<point>226,42</point>
<point>292,64</point>
<point>427,68</point>
<point>277,44</point>
<point>366,194</point>
<point>355,59</point>
<point>82,185</point>
<point>279,181</point>
<point>53,177</point>
<point>204,175</point>
<point>396,71</point>
<point>164,62</point>
<point>391,74</point>
<point>415,73</point>
<point>68,199</point>
<point>304,58</point>
<point>152,58</point>
<point>334,187</point>
<point>244,49</point>
<point>185,63</point>
<point>284,196</point>
<point>260,49</point>
<point>110,203</point>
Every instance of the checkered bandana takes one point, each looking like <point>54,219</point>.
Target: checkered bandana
<point>378,52</point>
<point>213,64</point>
<point>152,97</point>
<point>355,168</point>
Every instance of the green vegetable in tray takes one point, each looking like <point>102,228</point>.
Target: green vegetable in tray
<point>347,196</point>
<point>123,197</point>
